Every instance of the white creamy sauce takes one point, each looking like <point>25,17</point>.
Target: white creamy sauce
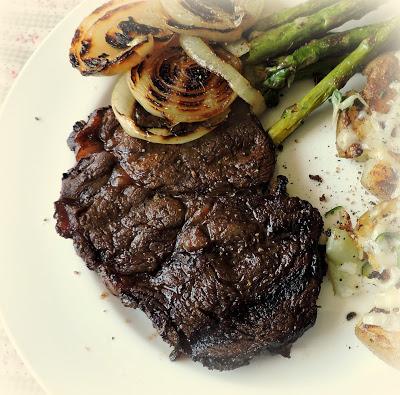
<point>390,322</point>
<point>379,239</point>
<point>379,137</point>
<point>386,314</point>
<point>381,140</point>
<point>362,115</point>
<point>382,245</point>
<point>346,138</point>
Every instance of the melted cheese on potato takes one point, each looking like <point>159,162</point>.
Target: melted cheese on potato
<point>378,235</point>
<point>374,137</point>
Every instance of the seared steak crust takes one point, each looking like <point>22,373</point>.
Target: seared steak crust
<point>237,155</point>
<point>189,234</point>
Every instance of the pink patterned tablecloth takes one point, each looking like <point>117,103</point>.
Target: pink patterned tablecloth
<point>23,25</point>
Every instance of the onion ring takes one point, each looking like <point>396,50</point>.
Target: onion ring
<point>201,53</point>
<point>124,107</point>
<point>170,85</point>
<point>117,36</point>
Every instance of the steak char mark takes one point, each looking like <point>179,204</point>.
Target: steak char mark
<point>224,267</point>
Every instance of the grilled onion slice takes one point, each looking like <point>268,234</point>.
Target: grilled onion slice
<point>201,53</point>
<point>215,20</point>
<point>124,107</point>
<point>117,36</point>
<point>170,85</point>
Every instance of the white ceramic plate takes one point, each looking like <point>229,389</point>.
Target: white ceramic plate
<point>78,342</point>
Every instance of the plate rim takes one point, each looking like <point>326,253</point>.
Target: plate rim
<point>3,106</point>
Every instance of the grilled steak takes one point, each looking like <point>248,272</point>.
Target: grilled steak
<point>236,155</point>
<point>223,267</point>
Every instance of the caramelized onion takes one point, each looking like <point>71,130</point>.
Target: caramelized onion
<point>117,36</point>
<point>215,20</point>
<point>124,107</point>
<point>170,85</point>
<point>202,54</point>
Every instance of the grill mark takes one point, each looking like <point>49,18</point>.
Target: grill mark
<point>130,52</point>
<point>205,13</point>
<point>163,39</point>
<point>198,78</point>
<point>180,26</point>
<point>131,26</point>
<point>129,29</point>
<point>175,72</point>
<point>77,36</point>
<point>189,94</point>
<point>85,47</point>
<point>109,14</point>
<point>182,129</point>
<point>188,106</point>
<point>182,82</point>
<point>165,74</point>
<point>154,102</point>
<point>118,40</point>
<point>98,64</point>
<point>73,60</point>
<point>157,95</point>
<point>137,70</point>
<point>178,133</point>
<point>158,83</point>
<point>95,63</point>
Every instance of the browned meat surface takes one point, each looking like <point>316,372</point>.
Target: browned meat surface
<point>237,154</point>
<point>189,234</point>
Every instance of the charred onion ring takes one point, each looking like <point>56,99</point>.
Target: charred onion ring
<point>203,55</point>
<point>117,36</point>
<point>124,107</point>
<point>170,85</point>
<point>219,21</point>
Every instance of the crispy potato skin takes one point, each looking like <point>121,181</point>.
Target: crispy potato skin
<point>367,224</point>
<point>380,73</point>
<point>349,119</point>
<point>384,344</point>
<point>380,179</point>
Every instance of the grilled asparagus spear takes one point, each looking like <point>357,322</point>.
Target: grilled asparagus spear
<point>290,35</point>
<point>281,75</point>
<point>316,71</point>
<point>257,74</point>
<point>322,68</point>
<point>295,115</point>
<point>290,14</point>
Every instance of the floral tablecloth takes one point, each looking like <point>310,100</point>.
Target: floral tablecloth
<point>23,25</point>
